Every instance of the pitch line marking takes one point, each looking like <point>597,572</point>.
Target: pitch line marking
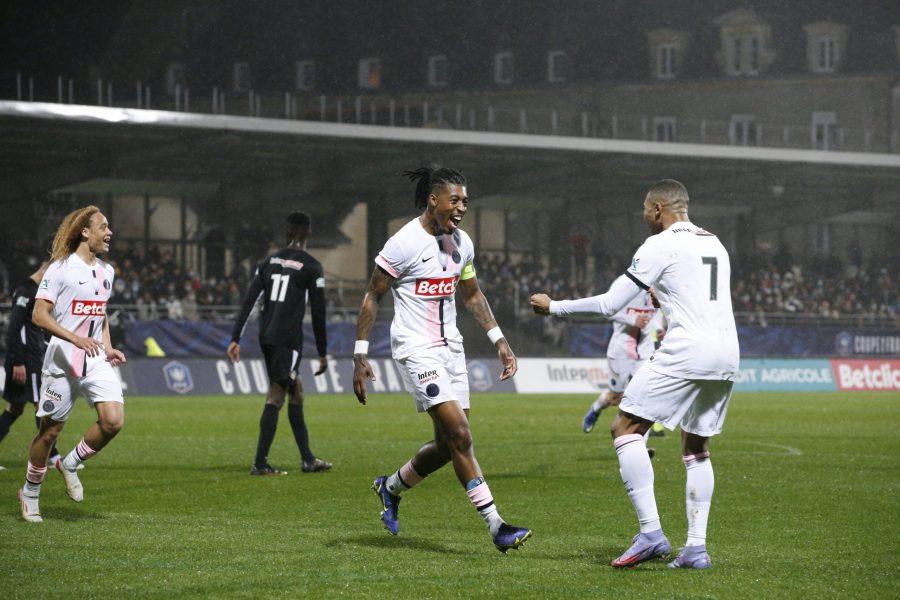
<point>789,450</point>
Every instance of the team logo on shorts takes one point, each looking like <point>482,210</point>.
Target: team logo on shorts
<point>432,390</point>
<point>48,406</point>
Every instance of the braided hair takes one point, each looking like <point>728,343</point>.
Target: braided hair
<point>428,178</point>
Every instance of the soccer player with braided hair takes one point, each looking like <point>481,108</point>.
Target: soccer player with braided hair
<point>423,265</point>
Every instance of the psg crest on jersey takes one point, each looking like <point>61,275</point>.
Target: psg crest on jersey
<point>455,256</point>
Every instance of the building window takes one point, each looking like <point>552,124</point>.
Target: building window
<point>824,130</point>
<point>557,66</point>
<point>746,43</point>
<point>370,73</point>
<point>665,61</point>
<point>825,43</point>
<point>503,67</point>
<point>666,49</point>
<point>175,76</point>
<point>826,53</point>
<point>736,59</point>
<point>753,47</point>
<point>664,129</point>
<point>305,75</point>
<point>240,77</point>
<point>438,70</point>
<point>743,131</point>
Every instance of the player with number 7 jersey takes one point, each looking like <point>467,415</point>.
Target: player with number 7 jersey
<point>687,383</point>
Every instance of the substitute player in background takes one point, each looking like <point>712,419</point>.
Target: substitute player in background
<point>423,264</point>
<point>71,305</point>
<point>285,280</point>
<point>632,342</point>
<point>688,380</point>
<point>25,347</point>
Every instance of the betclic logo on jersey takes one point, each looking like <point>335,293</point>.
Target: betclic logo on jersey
<point>90,308</point>
<point>433,288</point>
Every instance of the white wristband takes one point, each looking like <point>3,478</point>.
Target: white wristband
<point>494,334</point>
<point>361,347</point>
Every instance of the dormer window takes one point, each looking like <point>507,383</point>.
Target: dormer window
<point>557,66</point>
<point>240,77</point>
<point>369,73</point>
<point>667,50</point>
<point>665,61</point>
<point>438,70</point>
<point>825,43</point>
<point>746,42</point>
<point>306,75</point>
<point>503,67</point>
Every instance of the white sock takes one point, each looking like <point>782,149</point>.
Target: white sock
<point>597,406</point>
<point>698,496</point>
<point>80,453</point>
<point>637,475</point>
<point>480,495</point>
<point>403,479</point>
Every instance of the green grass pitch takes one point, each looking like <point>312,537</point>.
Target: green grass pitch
<point>807,505</point>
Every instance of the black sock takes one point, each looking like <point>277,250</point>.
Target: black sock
<point>298,425</point>
<point>6,420</point>
<point>268,423</point>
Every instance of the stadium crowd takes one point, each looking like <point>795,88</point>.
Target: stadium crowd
<point>155,285</point>
<point>829,287</point>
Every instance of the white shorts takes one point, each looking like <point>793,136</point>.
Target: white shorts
<point>435,376</point>
<point>621,370</point>
<point>59,392</point>
<point>698,406</point>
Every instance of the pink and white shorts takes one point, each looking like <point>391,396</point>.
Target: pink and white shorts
<point>59,392</point>
<point>437,375</point>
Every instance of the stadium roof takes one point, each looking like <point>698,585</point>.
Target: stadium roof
<point>46,147</point>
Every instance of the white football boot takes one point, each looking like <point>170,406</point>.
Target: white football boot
<point>73,484</point>
<point>31,511</point>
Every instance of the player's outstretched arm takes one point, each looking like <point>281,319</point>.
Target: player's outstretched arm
<point>379,284</point>
<point>477,304</point>
<point>620,294</point>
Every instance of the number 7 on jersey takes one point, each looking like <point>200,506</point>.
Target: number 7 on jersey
<point>713,276</point>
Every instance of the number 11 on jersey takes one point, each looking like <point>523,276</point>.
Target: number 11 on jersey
<point>279,287</point>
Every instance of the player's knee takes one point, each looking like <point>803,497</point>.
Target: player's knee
<point>49,435</point>
<point>459,438</point>
<point>110,426</point>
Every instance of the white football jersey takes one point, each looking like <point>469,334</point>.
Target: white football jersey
<point>79,293</point>
<point>427,269</point>
<point>627,341</point>
<point>690,272</point>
